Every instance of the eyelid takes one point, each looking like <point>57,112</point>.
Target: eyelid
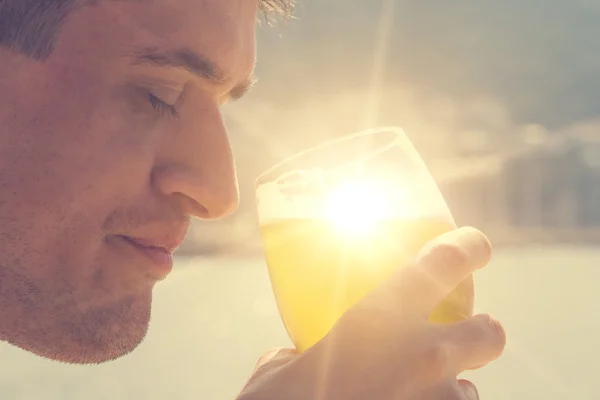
<point>168,91</point>
<point>161,98</point>
<point>170,97</point>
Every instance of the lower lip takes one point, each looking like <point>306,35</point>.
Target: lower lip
<point>162,260</point>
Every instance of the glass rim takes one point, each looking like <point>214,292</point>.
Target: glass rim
<point>396,130</point>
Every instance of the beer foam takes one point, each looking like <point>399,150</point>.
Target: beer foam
<point>304,194</point>
<point>297,194</point>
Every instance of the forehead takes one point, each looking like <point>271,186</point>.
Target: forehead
<point>222,30</point>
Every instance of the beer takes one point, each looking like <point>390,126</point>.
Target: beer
<point>319,269</point>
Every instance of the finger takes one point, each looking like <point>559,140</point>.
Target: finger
<point>472,343</point>
<point>468,389</point>
<point>441,266</point>
<point>276,356</point>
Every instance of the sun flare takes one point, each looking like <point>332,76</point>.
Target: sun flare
<point>356,207</point>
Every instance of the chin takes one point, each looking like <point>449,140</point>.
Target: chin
<point>94,337</point>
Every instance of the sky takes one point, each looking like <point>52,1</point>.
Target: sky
<point>539,58</point>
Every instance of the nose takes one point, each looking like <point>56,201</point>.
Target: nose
<point>194,165</point>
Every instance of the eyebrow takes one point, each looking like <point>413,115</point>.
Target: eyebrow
<point>195,63</point>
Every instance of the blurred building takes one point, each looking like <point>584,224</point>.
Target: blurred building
<point>551,187</point>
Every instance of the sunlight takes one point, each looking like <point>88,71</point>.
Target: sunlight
<point>356,207</point>
<point>382,48</point>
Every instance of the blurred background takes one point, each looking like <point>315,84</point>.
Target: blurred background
<point>502,100</point>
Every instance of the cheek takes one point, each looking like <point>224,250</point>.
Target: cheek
<point>69,165</point>
<point>90,147</point>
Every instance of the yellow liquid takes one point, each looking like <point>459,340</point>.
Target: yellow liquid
<point>319,270</point>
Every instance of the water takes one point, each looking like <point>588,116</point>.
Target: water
<point>213,319</point>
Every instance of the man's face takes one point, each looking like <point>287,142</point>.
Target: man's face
<point>107,148</point>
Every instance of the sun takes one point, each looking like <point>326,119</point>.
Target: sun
<point>356,207</point>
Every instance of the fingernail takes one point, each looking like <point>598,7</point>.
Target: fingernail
<point>460,247</point>
<point>470,390</point>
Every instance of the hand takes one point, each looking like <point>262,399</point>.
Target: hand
<point>385,348</point>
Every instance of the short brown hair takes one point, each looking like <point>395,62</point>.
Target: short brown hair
<point>30,26</point>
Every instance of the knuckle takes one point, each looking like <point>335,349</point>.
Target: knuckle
<point>274,358</point>
<point>267,357</point>
<point>436,355</point>
<point>370,319</point>
<point>434,361</point>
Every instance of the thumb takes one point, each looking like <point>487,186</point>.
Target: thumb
<point>468,389</point>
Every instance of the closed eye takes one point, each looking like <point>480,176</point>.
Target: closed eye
<point>162,107</point>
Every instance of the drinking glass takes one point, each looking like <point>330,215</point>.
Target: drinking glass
<point>338,219</point>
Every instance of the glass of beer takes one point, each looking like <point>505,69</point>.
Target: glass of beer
<point>338,219</point>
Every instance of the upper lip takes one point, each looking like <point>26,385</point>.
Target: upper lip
<point>168,241</point>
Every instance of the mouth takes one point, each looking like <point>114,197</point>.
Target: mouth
<point>160,258</point>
